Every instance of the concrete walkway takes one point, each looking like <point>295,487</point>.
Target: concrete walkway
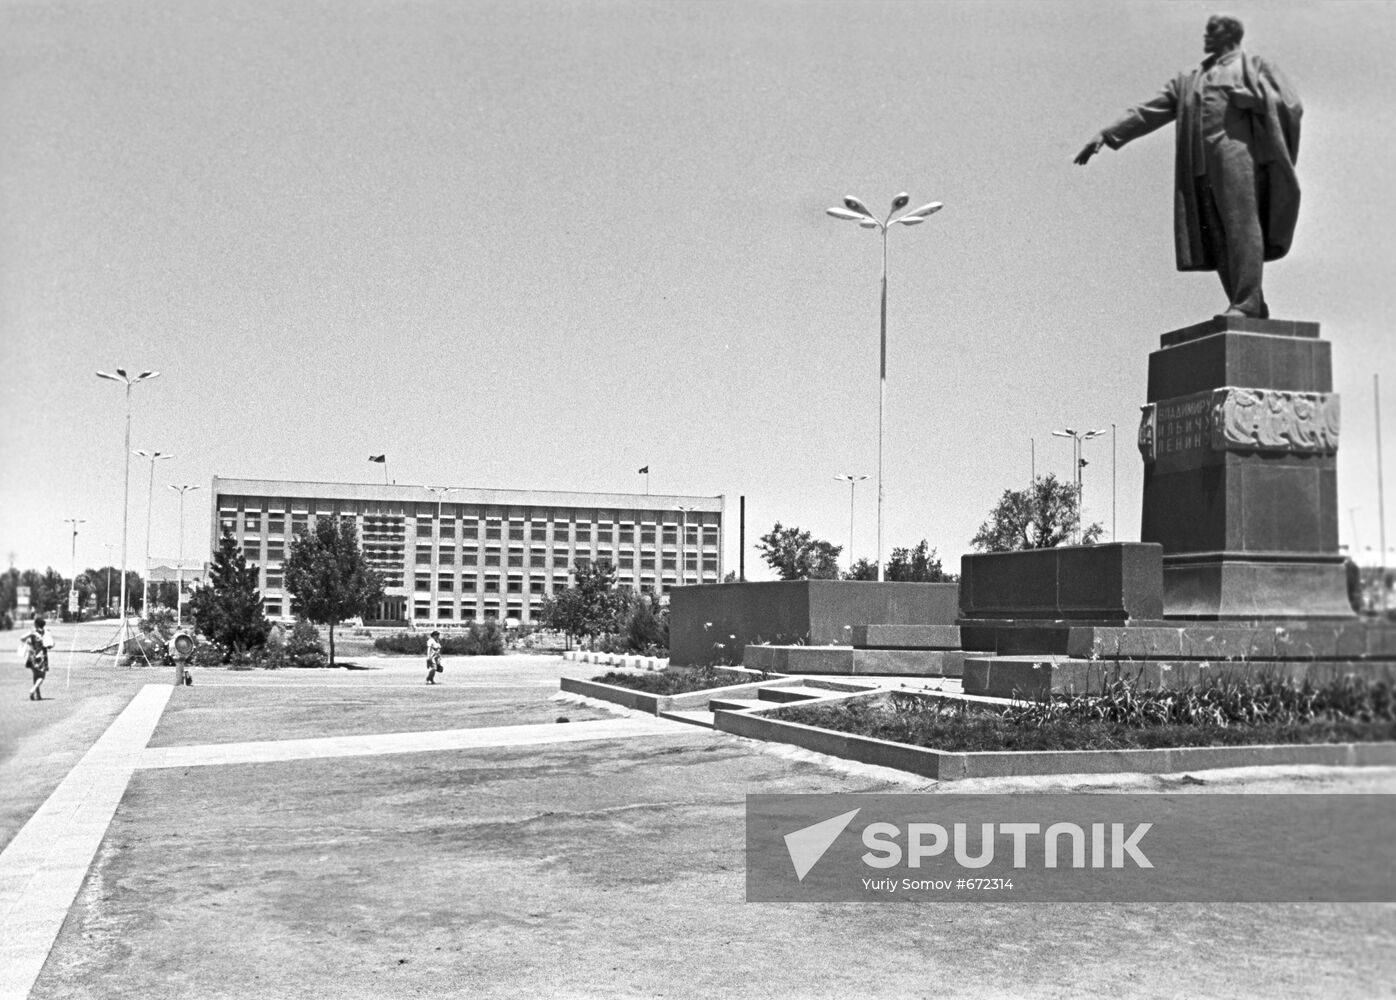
<point>42,869</point>
<point>383,743</point>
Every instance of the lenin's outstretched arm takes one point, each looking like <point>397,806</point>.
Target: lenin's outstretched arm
<point>1138,120</point>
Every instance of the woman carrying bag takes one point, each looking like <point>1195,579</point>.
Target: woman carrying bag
<point>434,666</point>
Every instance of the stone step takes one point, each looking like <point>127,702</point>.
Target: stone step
<point>792,694</point>
<point>906,636</point>
<point>1038,676</point>
<point>693,718</point>
<point>737,704</point>
<point>1277,640</point>
<point>847,660</point>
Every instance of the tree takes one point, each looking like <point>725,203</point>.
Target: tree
<point>593,605</point>
<point>9,591</point>
<point>328,576</point>
<point>863,569</point>
<point>228,609</point>
<point>105,576</point>
<point>48,591</point>
<point>795,555</point>
<point>1038,518</point>
<point>648,626</point>
<point>917,565</point>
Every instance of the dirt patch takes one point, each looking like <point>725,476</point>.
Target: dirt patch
<point>600,869</point>
<point>230,714</point>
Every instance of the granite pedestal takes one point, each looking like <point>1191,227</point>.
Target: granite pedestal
<point>1239,439</point>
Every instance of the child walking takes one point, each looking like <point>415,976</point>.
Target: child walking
<point>34,647</point>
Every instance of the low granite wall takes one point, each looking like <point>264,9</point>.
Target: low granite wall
<point>714,623</point>
<point>1121,581</point>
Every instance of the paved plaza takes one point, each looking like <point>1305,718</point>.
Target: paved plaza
<point>356,833</point>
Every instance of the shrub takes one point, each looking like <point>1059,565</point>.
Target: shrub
<point>147,647</point>
<point>407,643</point>
<point>304,638</point>
<point>206,654</point>
<point>645,630</point>
<point>1347,709</point>
<point>676,680</point>
<point>304,647</point>
<point>159,622</point>
<point>484,639</point>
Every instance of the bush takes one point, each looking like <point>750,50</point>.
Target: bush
<point>159,622</point>
<point>304,638</point>
<point>1347,709</point>
<point>484,639</point>
<point>147,647</point>
<point>676,680</point>
<point>206,654</point>
<point>406,643</point>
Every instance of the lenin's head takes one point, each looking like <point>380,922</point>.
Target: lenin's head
<point>1223,33</point>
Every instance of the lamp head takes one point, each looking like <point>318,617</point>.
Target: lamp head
<point>855,205</point>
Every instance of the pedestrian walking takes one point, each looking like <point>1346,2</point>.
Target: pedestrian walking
<point>433,656</point>
<point>34,647</point>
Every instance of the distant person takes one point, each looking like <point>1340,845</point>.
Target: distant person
<point>1236,197</point>
<point>433,656</point>
<point>34,647</point>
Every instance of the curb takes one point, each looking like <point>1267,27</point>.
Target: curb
<point>643,701</point>
<point>948,766</point>
<point>625,660</point>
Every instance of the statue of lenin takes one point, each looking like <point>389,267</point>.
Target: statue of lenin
<point>1236,196</point>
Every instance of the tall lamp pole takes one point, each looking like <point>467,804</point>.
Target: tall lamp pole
<point>440,492</point>
<point>73,580</point>
<point>1077,437</point>
<point>109,548</point>
<point>153,456</point>
<point>179,569</point>
<point>683,541</point>
<point>124,632</point>
<point>856,211</point>
<point>852,480</point>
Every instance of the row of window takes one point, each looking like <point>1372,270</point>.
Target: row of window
<point>518,531</point>
<point>514,560</point>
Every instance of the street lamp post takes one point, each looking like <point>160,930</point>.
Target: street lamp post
<point>153,456</point>
<point>124,632</point>
<point>856,211</point>
<point>683,541</point>
<point>73,580</point>
<point>108,598</point>
<point>1077,437</point>
<point>179,569</point>
<point>852,481</point>
<point>440,492</point>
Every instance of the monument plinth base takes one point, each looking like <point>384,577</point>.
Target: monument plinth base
<point>1218,586</point>
<point>1239,440</point>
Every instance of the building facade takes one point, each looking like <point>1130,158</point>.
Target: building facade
<point>456,556</point>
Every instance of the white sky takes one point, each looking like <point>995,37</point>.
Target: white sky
<point>540,245</point>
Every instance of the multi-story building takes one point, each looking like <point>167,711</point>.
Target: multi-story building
<point>451,557</point>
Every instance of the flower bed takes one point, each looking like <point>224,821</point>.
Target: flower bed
<point>1347,710</point>
<point>677,680</point>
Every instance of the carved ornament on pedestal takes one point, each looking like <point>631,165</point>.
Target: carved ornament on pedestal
<point>1238,419</point>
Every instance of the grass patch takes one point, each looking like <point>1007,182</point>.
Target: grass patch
<point>1347,710</point>
<point>676,680</point>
